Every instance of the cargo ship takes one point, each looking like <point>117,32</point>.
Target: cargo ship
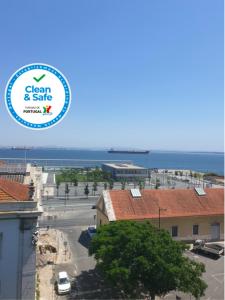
<point>128,151</point>
<point>20,148</point>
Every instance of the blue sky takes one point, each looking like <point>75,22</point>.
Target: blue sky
<point>144,74</point>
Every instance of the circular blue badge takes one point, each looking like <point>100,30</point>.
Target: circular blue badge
<point>37,96</point>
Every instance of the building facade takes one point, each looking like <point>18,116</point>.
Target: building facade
<point>19,211</point>
<point>187,214</point>
<point>124,171</point>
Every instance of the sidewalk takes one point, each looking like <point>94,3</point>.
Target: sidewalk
<point>52,250</point>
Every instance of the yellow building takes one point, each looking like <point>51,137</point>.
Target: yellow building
<point>188,214</point>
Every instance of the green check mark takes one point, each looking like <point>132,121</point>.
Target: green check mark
<point>39,79</point>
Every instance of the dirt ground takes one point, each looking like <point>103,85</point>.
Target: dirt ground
<point>52,250</point>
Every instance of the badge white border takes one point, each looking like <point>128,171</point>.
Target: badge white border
<point>20,120</point>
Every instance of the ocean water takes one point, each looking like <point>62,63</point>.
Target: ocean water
<point>197,161</point>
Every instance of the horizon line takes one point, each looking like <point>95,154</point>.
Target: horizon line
<point>24,147</point>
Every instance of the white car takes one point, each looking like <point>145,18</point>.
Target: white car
<point>63,283</point>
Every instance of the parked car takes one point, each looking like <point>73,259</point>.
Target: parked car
<point>213,249</point>
<point>91,231</point>
<point>63,283</point>
<point>93,207</point>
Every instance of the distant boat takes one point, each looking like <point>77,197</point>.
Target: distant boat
<point>129,151</point>
<point>20,148</point>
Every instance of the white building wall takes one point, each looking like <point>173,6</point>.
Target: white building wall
<point>18,259</point>
<point>9,259</point>
<point>28,264</point>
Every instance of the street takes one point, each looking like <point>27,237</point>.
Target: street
<point>59,213</point>
<point>214,277</point>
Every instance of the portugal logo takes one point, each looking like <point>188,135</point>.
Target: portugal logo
<point>37,96</point>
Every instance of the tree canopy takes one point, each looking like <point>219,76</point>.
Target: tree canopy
<point>141,260</point>
<point>82,175</point>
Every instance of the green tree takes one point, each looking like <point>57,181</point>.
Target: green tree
<point>106,175</point>
<point>95,187</point>
<point>86,190</point>
<point>111,184</point>
<point>75,184</point>
<point>123,185</point>
<point>141,260</point>
<point>157,183</point>
<point>57,186</point>
<point>149,177</point>
<point>87,174</point>
<point>66,192</point>
<point>141,185</point>
<point>195,175</point>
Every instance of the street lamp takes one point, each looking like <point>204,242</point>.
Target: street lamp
<point>161,209</point>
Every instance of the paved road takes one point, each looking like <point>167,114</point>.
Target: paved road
<point>65,218</point>
<point>76,212</point>
<point>214,277</point>
<point>71,201</point>
<point>79,242</point>
<point>50,178</point>
<point>86,283</point>
<point>73,219</point>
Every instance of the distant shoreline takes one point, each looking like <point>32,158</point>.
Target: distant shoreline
<point>30,148</point>
<point>198,161</point>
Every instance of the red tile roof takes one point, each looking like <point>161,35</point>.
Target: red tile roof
<point>177,202</point>
<point>13,191</point>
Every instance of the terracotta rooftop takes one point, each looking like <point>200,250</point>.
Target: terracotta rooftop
<point>13,191</point>
<point>177,202</point>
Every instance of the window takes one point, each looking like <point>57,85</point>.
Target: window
<point>174,231</point>
<point>195,229</point>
